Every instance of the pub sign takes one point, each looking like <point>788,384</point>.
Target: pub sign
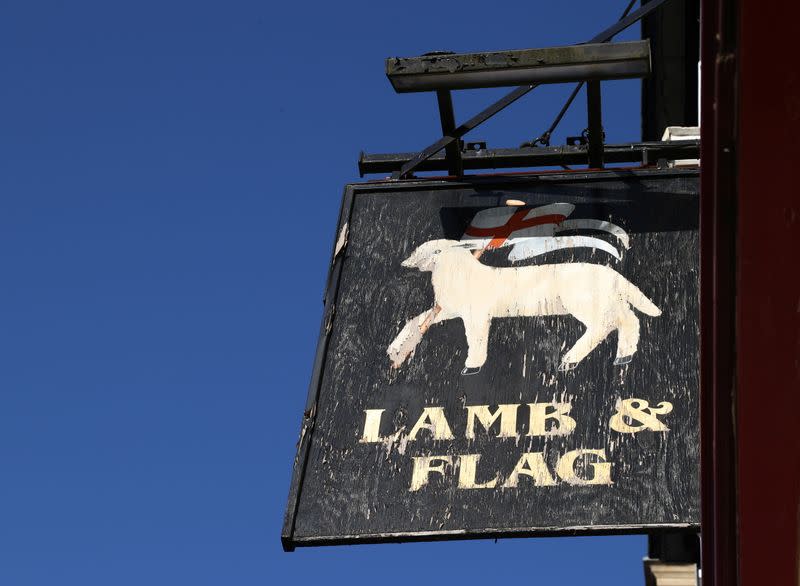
<point>501,356</point>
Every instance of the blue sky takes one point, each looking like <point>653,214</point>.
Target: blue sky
<point>171,176</point>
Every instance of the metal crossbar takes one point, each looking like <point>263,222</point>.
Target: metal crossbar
<point>515,94</point>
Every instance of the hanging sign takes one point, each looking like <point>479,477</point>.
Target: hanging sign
<point>505,356</point>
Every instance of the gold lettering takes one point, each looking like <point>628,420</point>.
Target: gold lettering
<point>639,411</point>
<point>601,471</point>
<point>424,465</point>
<point>467,468</point>
<point>541,412</point>
<point>372,426</point>
<point>507,414</point>
<point>531,464</point>
<point>434,420</point>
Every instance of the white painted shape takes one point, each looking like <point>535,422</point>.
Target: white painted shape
<point>518,236</point>
<point>340,241</point>
<point>596,295</point>
<point>493,217</point>
<point>564,209</point>
<point>531,247</point>
<point>599,225</point>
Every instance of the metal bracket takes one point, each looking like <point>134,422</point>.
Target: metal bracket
<point>448,119</point>
<point>511,97</point>
<point>574,154</point>
<point>595,128</point>
<point>479,145</point>
<point>577,140</point>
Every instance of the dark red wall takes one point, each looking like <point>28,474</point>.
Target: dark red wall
<point>768,302</point>
<point>750,228</point>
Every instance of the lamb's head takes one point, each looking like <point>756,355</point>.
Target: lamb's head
<point>426,255</point>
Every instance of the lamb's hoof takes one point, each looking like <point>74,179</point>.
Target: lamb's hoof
<point>471,370</point>
<point>565,366</point>
<point>623,360</point>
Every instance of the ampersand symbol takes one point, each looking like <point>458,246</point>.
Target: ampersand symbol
<point>639,410</point>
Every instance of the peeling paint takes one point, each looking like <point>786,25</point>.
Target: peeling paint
<point>349,491</point>
<point>341,241</point>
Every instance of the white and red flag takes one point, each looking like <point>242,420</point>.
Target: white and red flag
<point>533,231</point>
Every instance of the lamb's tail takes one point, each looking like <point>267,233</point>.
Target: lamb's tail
<point>641,302</point>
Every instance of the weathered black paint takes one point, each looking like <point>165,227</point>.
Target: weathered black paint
<point>344,491</point>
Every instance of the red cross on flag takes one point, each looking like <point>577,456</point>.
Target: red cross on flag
<point>533,231</point>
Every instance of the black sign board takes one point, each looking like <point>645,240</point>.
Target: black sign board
<point>504,356</point>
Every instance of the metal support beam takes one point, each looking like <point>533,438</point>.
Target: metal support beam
<point>672,559</point>
<point>637,153</point>
<point>448,120</point>
<point>457,71</point>
<point>674,547</point>
<point>514,95</point>
<point>669,94</point>
<point>476,120</point>
<point>595,133</point>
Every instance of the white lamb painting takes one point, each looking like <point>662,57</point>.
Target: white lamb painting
<point>464,288</point>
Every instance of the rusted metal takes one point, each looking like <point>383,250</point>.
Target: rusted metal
<point>451,71</point>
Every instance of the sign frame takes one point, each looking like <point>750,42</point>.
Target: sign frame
<point>332,288</point>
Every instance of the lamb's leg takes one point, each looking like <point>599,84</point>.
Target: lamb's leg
<point>410,336</point>
<point>593,335</point>
<point>477,331</point>
<point>627,337</point>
